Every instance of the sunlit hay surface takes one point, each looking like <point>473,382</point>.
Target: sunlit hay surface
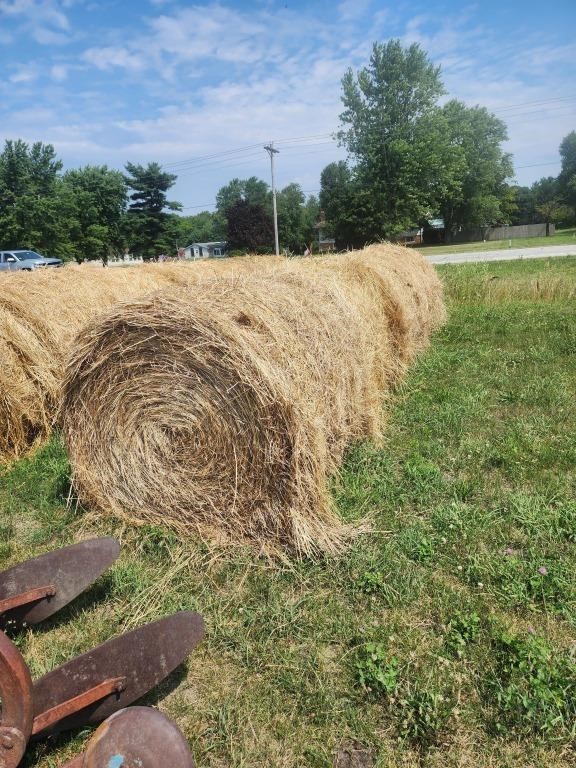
<point>40,313</point>
<point>224,407</point>
<point>404,284</point>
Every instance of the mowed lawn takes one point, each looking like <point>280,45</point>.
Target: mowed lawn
<point>446,637</point>
<point>561,237</point>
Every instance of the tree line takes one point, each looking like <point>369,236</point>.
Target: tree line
<point>411,159</point>
<point>96,212</point>
<point>86,213</point>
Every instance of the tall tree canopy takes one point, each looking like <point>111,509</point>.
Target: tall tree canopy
<point>479,195</point>
<point>29,200</point>
<point>395,134</point>
<point>148,219</point>
<point>345,204</point>
<point>296,218</point>
<point>204,227</point>
<point>567,177</point>
<point>252,190</point>
<point>98,196</point>
<point>410,158</point>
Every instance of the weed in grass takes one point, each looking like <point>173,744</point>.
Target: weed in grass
<point>425,714</point>
<point>376,670</point>
<point>545,520</point>
<point>531,687</point>
<point>416,543</point>
<point>37,487</point>
<point>371,582</point>
<point>6,534</point>
<point>524,580</point>
<point>396,583</point>
<point>463,629</point>
<point>157,542</point>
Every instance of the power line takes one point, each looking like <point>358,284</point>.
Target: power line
<point>246,159</point>
<point>537,165</point>
<point>193,161</point>
<point>223,163</point>
<point>199,158</point>
<point>534,103</point>
<point>204,205</point>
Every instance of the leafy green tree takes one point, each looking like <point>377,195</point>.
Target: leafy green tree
<point>344,205</point>
<point>148,222</point>
<point>544,190</point>
<point>204,227</point>
<point>99,197</point>
<point>252,190</point>
<point>567,177</point>
<point>479,194</point>
<point>523,211</point>
<point>396,136</point>
<point>552,211</point>
<point>547,203</point>
<point>250,227</point>
<point>311,216</point>
<point>293,226</point>
<point>29,177</point>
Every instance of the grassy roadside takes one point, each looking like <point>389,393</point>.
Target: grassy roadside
<point>561,237</point>
<point>445,638</point>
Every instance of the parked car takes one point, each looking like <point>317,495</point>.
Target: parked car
<point>25,260</point>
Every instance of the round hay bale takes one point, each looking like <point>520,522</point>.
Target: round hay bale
<point>40,313</point>
<point>225,407</point>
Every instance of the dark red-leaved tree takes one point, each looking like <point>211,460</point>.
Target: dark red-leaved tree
<point>249,226</point>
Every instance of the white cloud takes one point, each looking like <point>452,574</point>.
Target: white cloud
<point>43,20</point>
<point>111,57</point>
<point>24,75</point>
<point>59,73</point>
<point>353,9</point>
<point>191,35</point>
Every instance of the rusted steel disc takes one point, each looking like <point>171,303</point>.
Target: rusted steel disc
<point>15,704</point>
<point>142,657</point>
<point>139,737</point>
<point>70,570</point>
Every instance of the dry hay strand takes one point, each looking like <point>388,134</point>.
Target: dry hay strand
<point>40,313</point>
<point>225,407</point>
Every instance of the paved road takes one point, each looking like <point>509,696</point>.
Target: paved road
<point>505,254</point>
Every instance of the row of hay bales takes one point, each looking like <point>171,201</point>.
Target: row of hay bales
<point>221,400</point>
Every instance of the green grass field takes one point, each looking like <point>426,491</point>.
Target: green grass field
<point>447,637</point>
<point>562,237</point>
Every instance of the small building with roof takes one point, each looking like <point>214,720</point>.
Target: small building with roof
<point>214,250</point>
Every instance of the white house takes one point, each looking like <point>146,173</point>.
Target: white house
<point>215,250</point>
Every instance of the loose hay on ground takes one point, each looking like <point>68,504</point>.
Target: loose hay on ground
<point>224,407</point>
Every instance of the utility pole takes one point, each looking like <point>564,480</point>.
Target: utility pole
<point>271,151</point>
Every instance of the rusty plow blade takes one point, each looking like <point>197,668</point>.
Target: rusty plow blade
<point>91,687</point>
<point>36,589</point>
<point>139,737</point>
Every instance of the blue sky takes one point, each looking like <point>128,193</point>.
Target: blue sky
<point>199,87</point>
